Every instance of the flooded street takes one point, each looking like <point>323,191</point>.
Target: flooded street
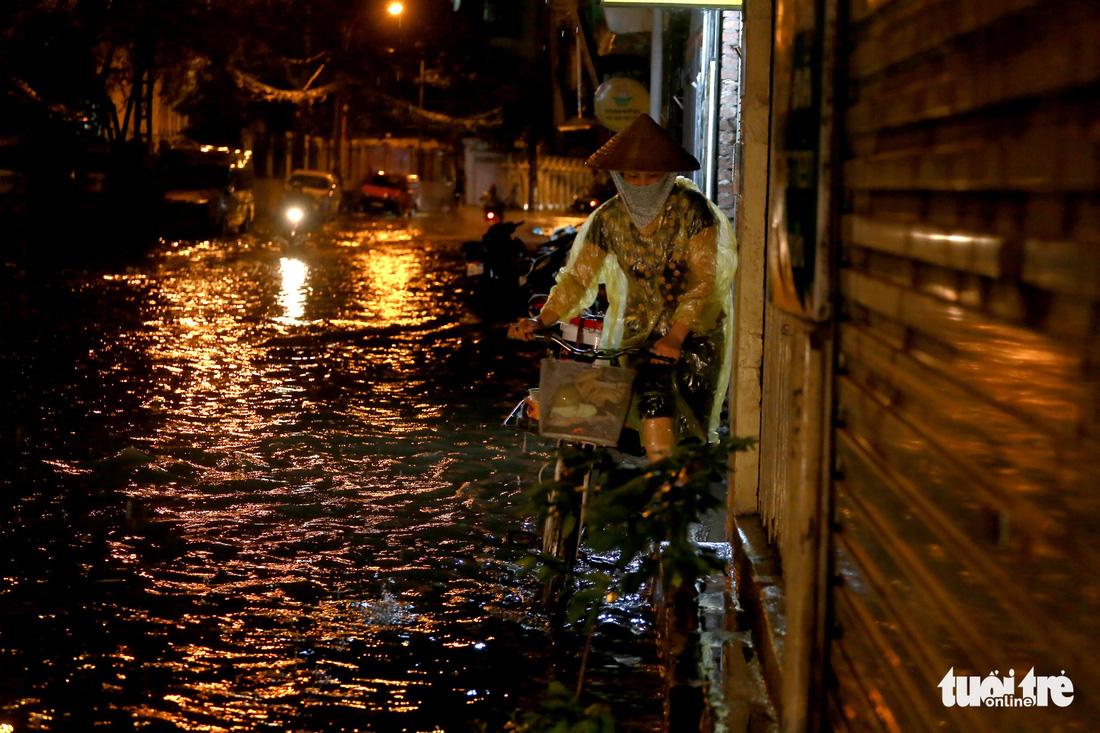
<point>251,488</point>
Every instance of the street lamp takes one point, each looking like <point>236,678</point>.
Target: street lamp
<point>396,9</point>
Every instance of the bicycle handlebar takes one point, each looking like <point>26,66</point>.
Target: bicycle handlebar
<point>598,353</point>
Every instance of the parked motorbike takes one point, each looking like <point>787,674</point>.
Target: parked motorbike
<point>497,266</point>
<point>503,276</point>
<point>549,258</point>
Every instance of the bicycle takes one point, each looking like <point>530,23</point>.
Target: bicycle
<point>597,396</point>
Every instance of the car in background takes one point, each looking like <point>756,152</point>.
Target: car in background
<point>322,187</point>
<point>206,189</point>
<point>389,191</point>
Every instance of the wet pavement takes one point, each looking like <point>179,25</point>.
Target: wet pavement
<point>248,488</point>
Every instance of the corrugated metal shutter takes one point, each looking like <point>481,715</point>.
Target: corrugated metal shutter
<point>967,495</point>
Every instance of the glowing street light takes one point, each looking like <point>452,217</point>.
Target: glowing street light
<point>396,8</point>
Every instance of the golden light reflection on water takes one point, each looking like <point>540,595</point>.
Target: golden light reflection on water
<point>293,291</point>
<point>384,277</point>
<point>205,365</point>
<point>302,543</point>
<point>392,236</point>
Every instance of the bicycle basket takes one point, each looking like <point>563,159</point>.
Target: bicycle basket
<point>583,402</point>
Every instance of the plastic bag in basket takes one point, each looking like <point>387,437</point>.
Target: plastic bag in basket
<point>583,402</point>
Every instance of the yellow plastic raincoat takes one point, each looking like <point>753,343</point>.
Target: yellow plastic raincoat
<point>653,281</point>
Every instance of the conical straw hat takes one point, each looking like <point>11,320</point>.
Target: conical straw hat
<point>643,146</point>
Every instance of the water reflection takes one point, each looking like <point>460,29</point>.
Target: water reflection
<point>301,523</point>
<point>292,294</point>
<point>386,278</point>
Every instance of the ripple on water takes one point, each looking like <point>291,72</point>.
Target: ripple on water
<point>276,495</point>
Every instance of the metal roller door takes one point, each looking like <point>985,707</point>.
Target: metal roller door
<point>967,441</point>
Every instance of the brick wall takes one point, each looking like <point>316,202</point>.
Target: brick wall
<point>729,120</point>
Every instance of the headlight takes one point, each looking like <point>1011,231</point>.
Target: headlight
<point>294,214</point>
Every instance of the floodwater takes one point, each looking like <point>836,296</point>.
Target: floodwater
<point>251,489</point>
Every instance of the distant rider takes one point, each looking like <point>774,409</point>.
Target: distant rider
<point>491,202</point>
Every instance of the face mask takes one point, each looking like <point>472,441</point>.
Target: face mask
<point>644,203</point>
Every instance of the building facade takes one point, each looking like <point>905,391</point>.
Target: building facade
<point>926,189</point>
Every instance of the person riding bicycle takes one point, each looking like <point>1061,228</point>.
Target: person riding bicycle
<point>667,258</point>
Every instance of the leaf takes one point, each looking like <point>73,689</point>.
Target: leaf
<point>584,603</point>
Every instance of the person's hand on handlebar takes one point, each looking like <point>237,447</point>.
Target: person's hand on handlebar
<point>672,343</point>
<point>525,328</point>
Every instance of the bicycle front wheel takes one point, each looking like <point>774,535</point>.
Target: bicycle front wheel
<point>564,518</point>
